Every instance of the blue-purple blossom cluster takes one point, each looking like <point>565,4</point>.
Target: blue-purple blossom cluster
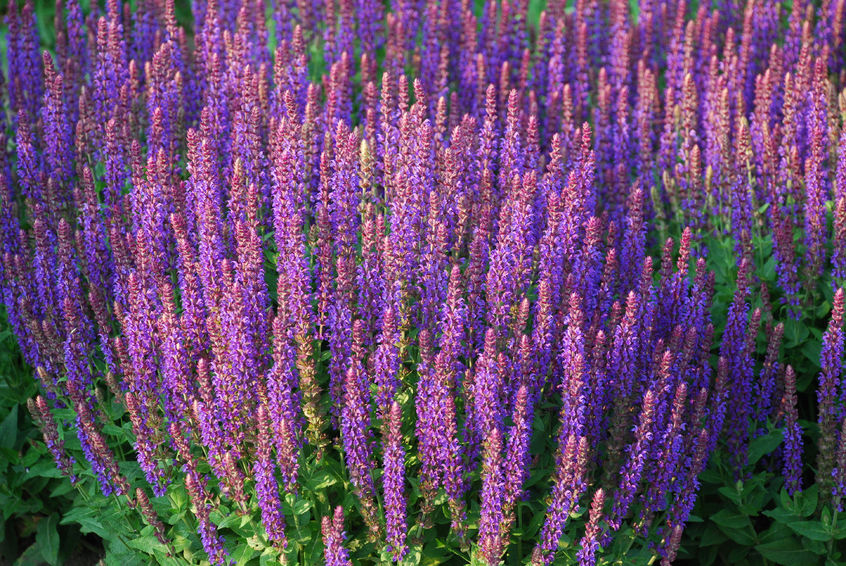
<point>268,254</point>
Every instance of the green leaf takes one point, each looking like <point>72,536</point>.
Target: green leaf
<point>269,557</point>
<point>787,552</point>
<point>808,500</point>
<point>322,480</point>
<point>413,557</point>
<point>301,507</point>
<point>147,544</point>
<point>9,429</point>
<point>47,539</point>
<point>712,536</point>
<point>838,533</point>
<point>45,469</point>
<point>781,515</point>
<point>764,445</point>
<point>826,517</point>
<point>30,557</point>
<point>228,521</point>
<point>731,494</point>
<point>118,554</point>
<point>88,521</point>
<point>813,530</point>
<point>729,520</point>
<point>61,489</point>
<point>735,526</point>
<point>243,553</point>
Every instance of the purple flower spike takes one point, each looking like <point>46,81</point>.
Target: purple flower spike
<point>333,539</point>
<point>515,468</point>
<point>631,474</point>
<point>792,469</point>
<point>590,542</point>
<point>491,541</point>
<point>393,484</point>
<point>831,361</point>
<point>569,478</point>
<point>267,488</point>
<point>43,417</point>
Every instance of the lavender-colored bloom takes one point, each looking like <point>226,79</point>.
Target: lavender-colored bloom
<point>333,539</point>
<point>150,515</point>
<point>57,130</point>
<point>590,542</point>
<point>839,472</point>
<point>457,243</point>
<point>719,403</point>
<point>838,259</point>
<point>831,362</point>
<point>393,481</point>
<point>357,442</point>
<point>634,240</point>
<point>815,190</point>
<point>283,406</point>
<point>792,469</point>
<point>212,541</point>
<point>767,379</point>
<point>344,222</point>
<point>569,484</point>
<point>355,432</point>
<point>25,87</point>
<point>632,471</point>
<point>737,349</point>
<point>669,453</point>
<point>267,488</point>
<point>574,386</point>
<point>386,359</point>
<point>491,541</point>
<point>685,491</point>
<point>98,454</point>
<point>487,390</point>
<point>515,465</point>
<point>426,425</point>
<point>43,417</point>
<point>145,445</point>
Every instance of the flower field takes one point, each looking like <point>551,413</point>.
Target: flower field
<point>423,282</point>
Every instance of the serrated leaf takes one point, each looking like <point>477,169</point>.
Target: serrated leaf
<point>808,500</point>
<point>787,552</point>
<point>712,536</point>
<point>148,544</point>
<point>322,480</point>
<point>412,558</point>
<point>113,430</point>
<point>735,526</point>
<point>47,539</point>
<point>31,457</point>
<point>121,555</point>
<point>825,516</point>
<point>244,553</point>
<point>268,557</point>
<point>764,445</point>
<point>781,515</point>
<point>813,530</point>
<point>227,521</point>
<point>730,520</point>
<point>45,469</point>
<point>30,557</point>
<point>61,489</point>
<point>731,494</point>
<point>301,507</point>
<point>9,429</point>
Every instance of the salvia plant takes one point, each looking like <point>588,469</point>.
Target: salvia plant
<point>434,282</point>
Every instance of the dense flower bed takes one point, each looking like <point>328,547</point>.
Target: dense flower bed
<point>445,281</point>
